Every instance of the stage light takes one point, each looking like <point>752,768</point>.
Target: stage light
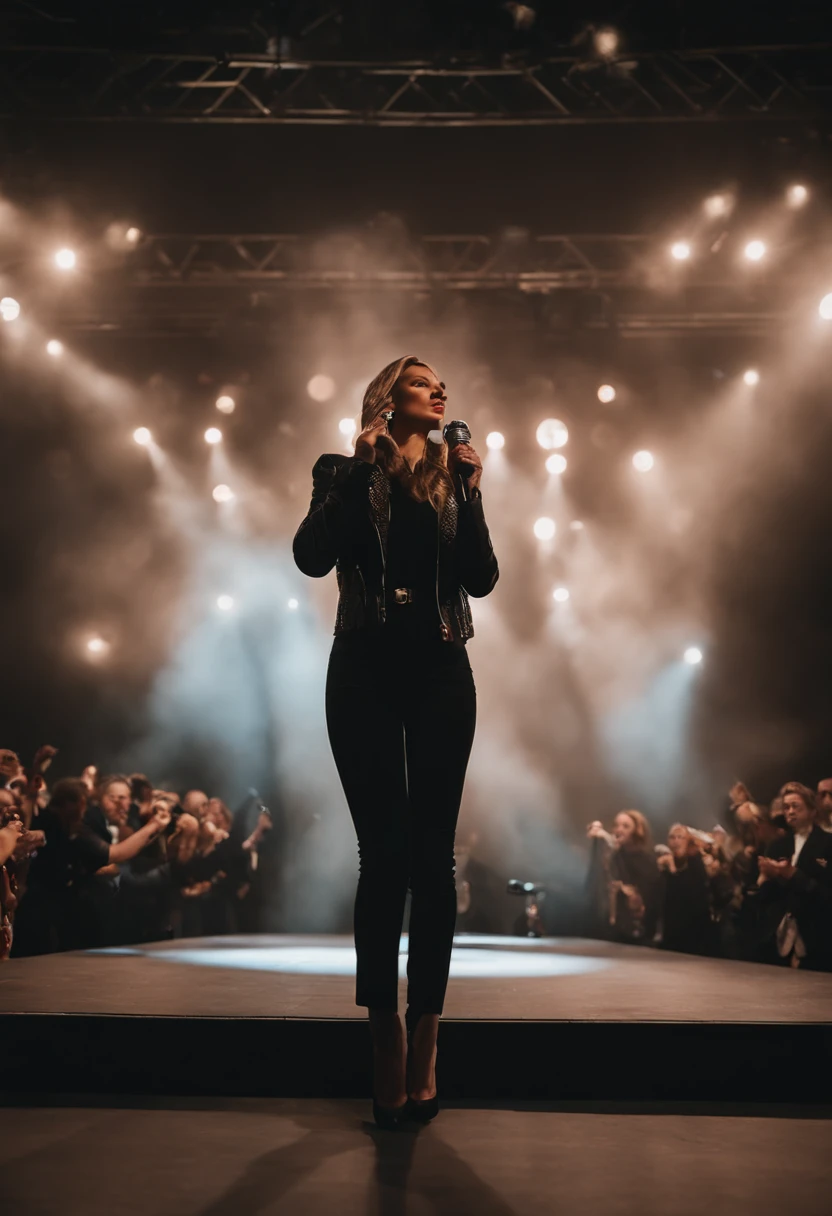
<point>347,427</point>
<point>796,196</point>
<point>213,435</point>
<point>9,309</point>
<point>293,604</point>
<point>751,377</point>
<point>606,394</point>
<point>97,646</point>
<point>544,528</point>
<point>65,259</point>
<point>643,461</point>
<point>321,388</point>
<point>226,404</point>
<point>560,595</point>
<point>825,307</point>
<point>556,463</point>
<point>222,493</point>
<point>133,236</point>
<point>54,348</point>
<point>693,655</point>
<point>680,251</point>
<point>607,43</point>
<point>494,441</point>
<point>225,602</point>
<point>142,436</point>
<point>716,205</point>
<point>552,434</point>
<point>754,251</point>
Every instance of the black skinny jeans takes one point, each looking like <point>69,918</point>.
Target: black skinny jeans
<point>401,713</point>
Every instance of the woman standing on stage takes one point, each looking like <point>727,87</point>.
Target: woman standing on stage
<point>409,542</point>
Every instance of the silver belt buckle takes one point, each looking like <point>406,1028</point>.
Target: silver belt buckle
<point>402,595</point>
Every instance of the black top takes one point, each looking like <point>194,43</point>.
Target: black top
<point>686,916</point>
<point>65,861</point>
<point>412,545</point>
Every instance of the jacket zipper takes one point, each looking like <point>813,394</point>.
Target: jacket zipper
<point>383,603</point>
<point>442,625</point>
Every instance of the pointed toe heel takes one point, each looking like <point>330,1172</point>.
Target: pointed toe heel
<point>388,1118</point>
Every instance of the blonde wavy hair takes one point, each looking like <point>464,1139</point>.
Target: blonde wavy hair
<point>430,480</point>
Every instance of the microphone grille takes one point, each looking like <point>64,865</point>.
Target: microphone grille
<point>457,431</point>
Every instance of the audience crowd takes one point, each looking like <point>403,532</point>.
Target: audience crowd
<point>108,860</point>
<point>757,886</point>
<point>99,861</point>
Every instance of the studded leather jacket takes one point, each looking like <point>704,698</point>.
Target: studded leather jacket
<point>346,527</point>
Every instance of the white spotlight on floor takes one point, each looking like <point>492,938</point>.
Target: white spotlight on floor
<point>796,196</point>
<point>292,604</point>
<point>321,388</point>
<point>560,594</point>
<point>556,464</point>
<point>142,436</point>
<point>225,602</point>
<point>693,655</point>
<point>226,404</point>
<point>9,309</point>
<point>606,394</point>
<point>213,435</point>
<point>751,377</point>
<point>494,441</point>
<point>552,434</point>
<point>97,646</point>
<point>825,307</point>
<point>54,348</point>
<point>65,259</point>
<point>544,528</point>
<point>643,461</point>
<point>347,427</point>
<point>754,251</point>
<point>680,251</point>
<point>222,493</point>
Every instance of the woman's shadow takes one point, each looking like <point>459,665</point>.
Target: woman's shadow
<point>406,1162</point>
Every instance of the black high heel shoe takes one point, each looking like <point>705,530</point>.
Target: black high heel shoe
<point>417,1110</point>
<point>388,1118</point>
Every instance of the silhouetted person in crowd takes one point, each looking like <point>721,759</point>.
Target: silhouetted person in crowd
<point>686,913</point>
<point>54,914</point>
<point>823,801</point>
<point>631,885</point>
<point>796,882</point>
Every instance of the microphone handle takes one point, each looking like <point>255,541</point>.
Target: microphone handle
<point>463,472</point>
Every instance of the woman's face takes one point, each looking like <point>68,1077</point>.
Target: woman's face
<point>624,829</point>
<point>677,839</point>
<point>419,398</point>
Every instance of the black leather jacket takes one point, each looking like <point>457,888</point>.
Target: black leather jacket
<point>346,527</point>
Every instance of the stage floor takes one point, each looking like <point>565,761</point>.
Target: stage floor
<point>492,978</point>
<point>548,1018</point>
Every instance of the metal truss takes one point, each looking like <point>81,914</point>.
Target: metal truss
<point>386,260</point>
<point>183,284</point>
<point>783,82</point>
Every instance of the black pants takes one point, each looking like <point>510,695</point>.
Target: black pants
<point>401,713</point>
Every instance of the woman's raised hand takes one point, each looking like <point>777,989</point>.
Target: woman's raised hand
<point>365,443</point>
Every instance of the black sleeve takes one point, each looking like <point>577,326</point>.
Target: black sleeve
<point>89,852</point>
<point>476,565</point>
<point>339,494</point>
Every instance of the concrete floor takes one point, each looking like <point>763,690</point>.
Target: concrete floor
<point>247,1157</point>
